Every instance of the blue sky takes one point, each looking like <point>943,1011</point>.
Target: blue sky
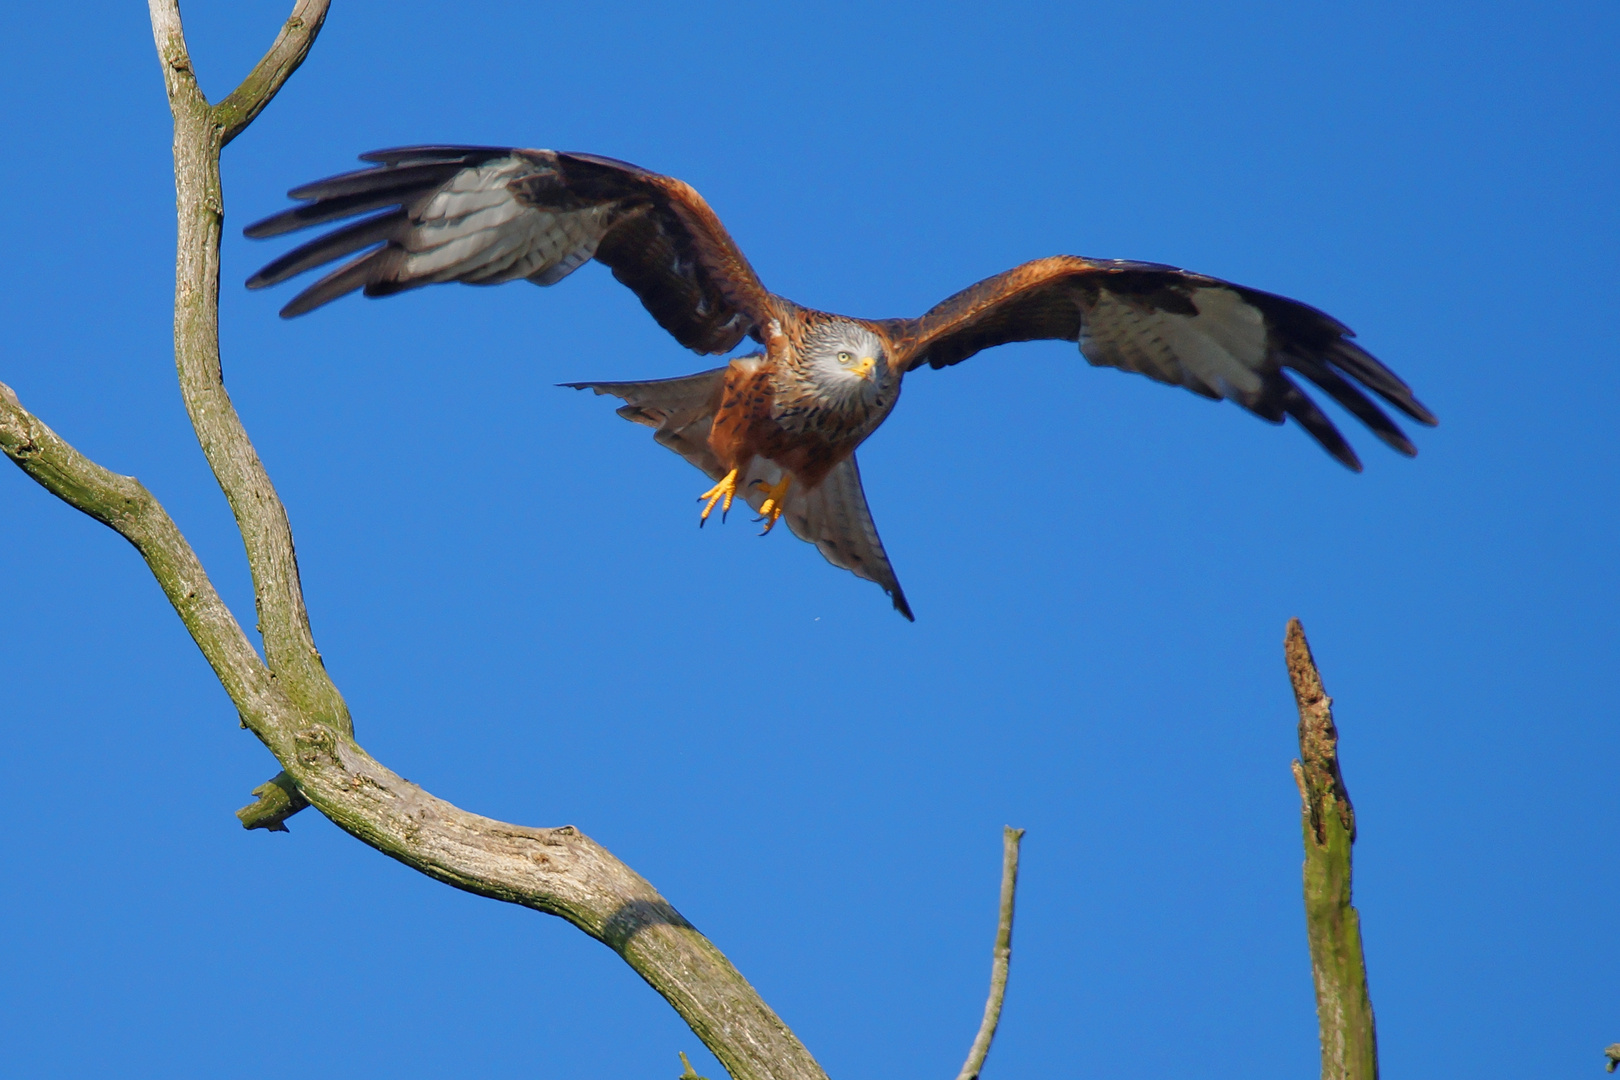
<point>506,582</point>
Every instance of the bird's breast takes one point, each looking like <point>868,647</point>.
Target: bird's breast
<point>801,405</point>
<point>772,411</point>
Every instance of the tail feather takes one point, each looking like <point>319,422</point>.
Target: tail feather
<point>678,409</point>
<point>833,516</point>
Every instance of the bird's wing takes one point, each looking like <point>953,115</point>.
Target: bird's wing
<point>1213,337</point>
<point>833,516</point>
<point>486,215</point>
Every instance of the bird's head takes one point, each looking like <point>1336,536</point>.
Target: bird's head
<point>846,361</point>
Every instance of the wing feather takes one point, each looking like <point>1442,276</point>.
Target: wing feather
<point>324,249</point>
<point>1210,336</point>
<point>485,215</point>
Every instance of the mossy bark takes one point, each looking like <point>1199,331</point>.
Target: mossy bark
<point>1333,926</point>
<point>287,699</point>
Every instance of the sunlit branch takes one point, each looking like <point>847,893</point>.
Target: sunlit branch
<point>265,80</point>
<point>200,131</point>
<point>1002,957</point>
<point>1343,1009</point>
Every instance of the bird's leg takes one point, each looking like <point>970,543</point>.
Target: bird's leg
<point>726,489</point>
<point>771,508</point>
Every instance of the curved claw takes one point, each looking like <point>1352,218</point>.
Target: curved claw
<point>725,490</point>
<point>771,509</point>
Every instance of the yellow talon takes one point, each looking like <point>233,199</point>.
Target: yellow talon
<point>726,489</point>
<point>771,509</point>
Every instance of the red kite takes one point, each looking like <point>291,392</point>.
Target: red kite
<point>779,427</point>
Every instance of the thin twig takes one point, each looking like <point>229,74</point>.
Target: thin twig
<point>980,1050</point>
<point>1343,1008</point>
<point>278,799</point>
<point>265,80</point>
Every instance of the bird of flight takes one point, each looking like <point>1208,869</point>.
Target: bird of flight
<point>778,428</point>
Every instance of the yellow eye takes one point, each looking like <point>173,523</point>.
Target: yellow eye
<point>845,358</point>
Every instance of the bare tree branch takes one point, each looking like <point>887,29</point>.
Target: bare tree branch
<point>558,871</point>
<point>290,703</point>
<point>123,503</point>
<point>1002,957</point>
<point>1343,1008</point>
<point>244,103</point>
<point>199,135</point>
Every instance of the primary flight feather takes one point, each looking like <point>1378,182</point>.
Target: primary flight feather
<point>778,428</point>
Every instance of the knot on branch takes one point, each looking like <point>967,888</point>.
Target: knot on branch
<point>23,449</point>
<point>1321,785</point>
<point>16,437</point>
<point>316,747</point>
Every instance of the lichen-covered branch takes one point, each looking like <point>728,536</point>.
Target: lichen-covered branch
<point>288,701</point>
<point>123,503</point>
<point>1001,957</point>
<point>277,799</point>
<point>558,871</point>
<point>199,134</point>
<point>297,35</point>
<point>1343,1009</point>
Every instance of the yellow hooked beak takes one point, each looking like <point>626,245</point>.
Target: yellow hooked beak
<point>864,368</point>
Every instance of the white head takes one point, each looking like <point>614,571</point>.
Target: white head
<point>846,363</point>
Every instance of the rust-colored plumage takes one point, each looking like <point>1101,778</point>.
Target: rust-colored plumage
<point>779,427</point>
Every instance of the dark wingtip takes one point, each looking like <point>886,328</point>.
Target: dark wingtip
<point>900,604</point>
<point>1337,449</point>
<point>396,155</point>
<point>265,227</point>
<point>1411,406</point>
<point>1307,415</point>
<point>1341,452</point>
<point>305,302</point>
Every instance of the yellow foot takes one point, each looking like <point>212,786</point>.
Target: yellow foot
<point>727,490</point>
<point>771,509</point>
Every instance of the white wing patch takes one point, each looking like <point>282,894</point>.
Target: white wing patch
<point>475,230</point>
<point>1221,350</point>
